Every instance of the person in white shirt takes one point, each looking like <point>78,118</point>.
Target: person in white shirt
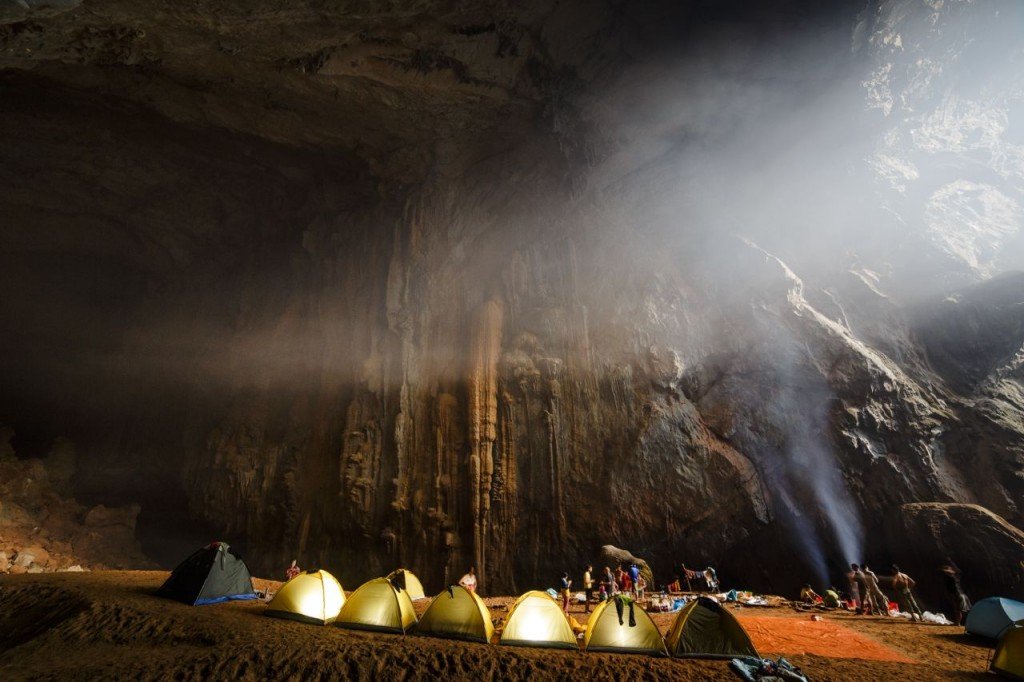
<point>469,580</point>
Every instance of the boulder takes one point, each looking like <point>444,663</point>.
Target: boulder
<point>612,556</point>
<point>112,516</point>
<point>988,549</point>
<point>33,554</point>
<point>23,559</point>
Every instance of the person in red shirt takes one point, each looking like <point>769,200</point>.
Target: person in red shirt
<point>625,584</point>
<point>293,570</point>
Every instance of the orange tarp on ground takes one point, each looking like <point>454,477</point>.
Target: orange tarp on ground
<point>820,638</point>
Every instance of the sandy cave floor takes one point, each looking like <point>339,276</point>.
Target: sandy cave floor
<point>109,625</point>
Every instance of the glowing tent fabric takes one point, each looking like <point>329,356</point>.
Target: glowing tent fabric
<point>408,581</point>
<point>1009,657</point>
<point>990,617</point>
<point>457,613</point>
<point>705,629</point>
<point>311,597</point>
<point>635,633</point>
<point>537,620</point>
<point>378,605</point>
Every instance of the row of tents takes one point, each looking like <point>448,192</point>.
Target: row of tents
<point>703,628</point>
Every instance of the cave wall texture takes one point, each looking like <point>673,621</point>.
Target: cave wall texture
<point>440,284</point>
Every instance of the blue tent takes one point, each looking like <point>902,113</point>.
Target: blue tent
<point>990,617</point>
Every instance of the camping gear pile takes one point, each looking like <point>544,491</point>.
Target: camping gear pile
<point>703,628</point>
<point>767,670</point>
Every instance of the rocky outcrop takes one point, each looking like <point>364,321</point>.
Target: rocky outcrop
<point>41,530</point>
<point>614,556</point>
<point>983,545</point>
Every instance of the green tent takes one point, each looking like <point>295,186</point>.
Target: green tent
<point>1008,659</point>
<point>705,629</point>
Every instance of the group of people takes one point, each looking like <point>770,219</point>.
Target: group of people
<point>628,581</point>
<point>867,597</point>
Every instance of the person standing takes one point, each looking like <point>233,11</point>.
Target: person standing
<point>634,577</point>
<point>638,587</point>
<point>961,604</point>
<point>588,585</point>
<point>867,601</point>
<point>878,598</point>
<point>904,586</point>
<point>293,570</point>
<point>469,580</point>
<point>854,584</point>
<point>564,589</point>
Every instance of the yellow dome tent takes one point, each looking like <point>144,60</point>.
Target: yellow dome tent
<point>311,597</point>
<point>1009,656</point>
<point>625,632</point>
<point>537,620</point>
<point>457,613</point>
<point>412,584</point>
<point>378,605</point>
<point>706,629</point>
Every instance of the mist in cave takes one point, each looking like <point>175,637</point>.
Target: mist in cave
<point>497,284</point>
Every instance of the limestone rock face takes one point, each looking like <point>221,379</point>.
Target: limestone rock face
<point>436,284</point>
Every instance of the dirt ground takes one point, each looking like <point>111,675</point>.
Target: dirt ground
<point>109,625</point>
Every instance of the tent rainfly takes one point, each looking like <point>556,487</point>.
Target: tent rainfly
<point>621,625</point>
<point>310,597</point>
<point>537,620</point>
<point>457,613</point>
<point>706,629</point>
<point>210,575</point>
<point>990,617</point>
<point>405,579</point>
<point>378,605</point>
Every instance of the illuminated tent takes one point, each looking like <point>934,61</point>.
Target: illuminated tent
<point>705,629</point>
<point>610,630</point>
<point>210,575</point>
<point>311,597</point>
<point>457,613</point>
<point>378,605</point>
<point>407,580</point>
<point>1009,656</point>
<point>537,620</point>
<point>990,617</point>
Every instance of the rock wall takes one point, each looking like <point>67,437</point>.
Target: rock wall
<point>443,286</point>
